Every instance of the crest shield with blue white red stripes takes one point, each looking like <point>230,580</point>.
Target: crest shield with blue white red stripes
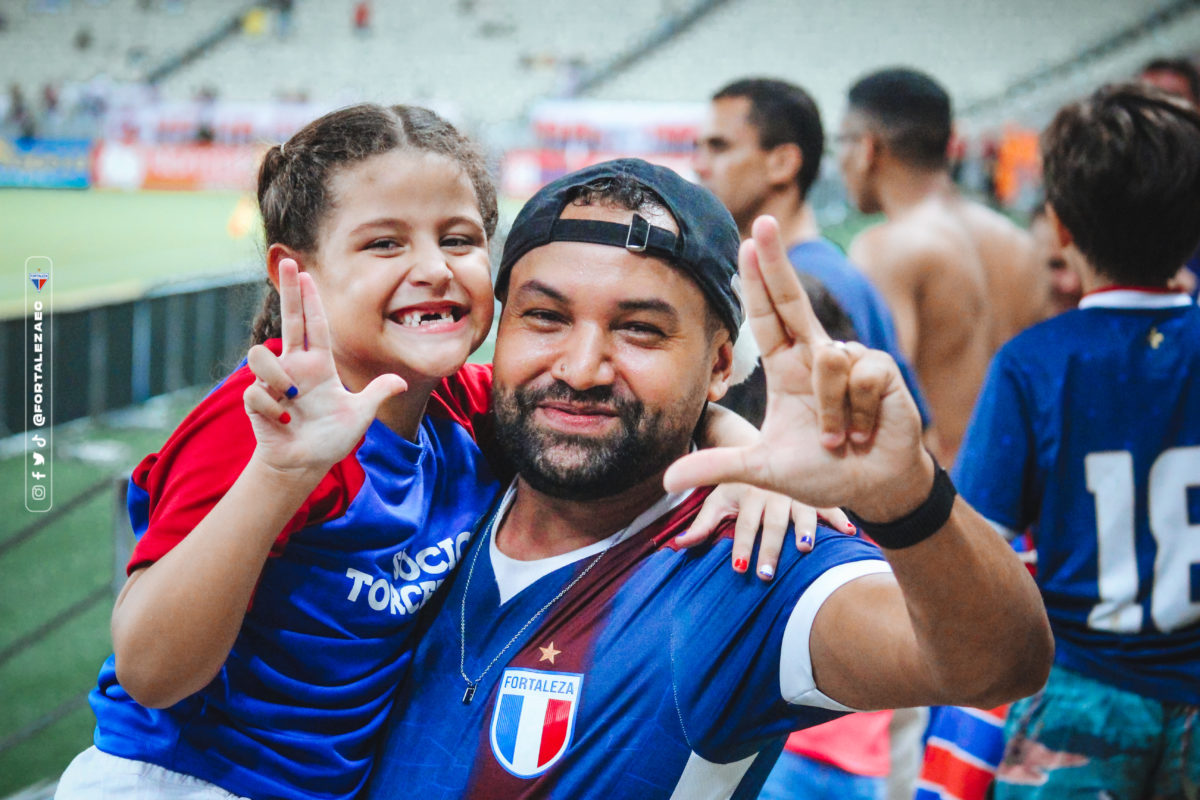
<point>533,719</point>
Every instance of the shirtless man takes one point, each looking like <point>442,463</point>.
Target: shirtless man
<point>956,275</point>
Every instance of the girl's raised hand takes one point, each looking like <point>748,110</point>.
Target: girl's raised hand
<point>304,419</point>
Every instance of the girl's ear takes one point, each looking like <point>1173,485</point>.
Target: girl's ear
<point>276,253</point>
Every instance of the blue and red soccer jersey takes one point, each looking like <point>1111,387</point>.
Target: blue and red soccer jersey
<point>1088,429</point>
<point>659,673</point>
<point>297,708</point>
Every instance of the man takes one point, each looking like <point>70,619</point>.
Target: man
<point>576,652</point>
<point>1087,430</point>
<point>760,152</point>
<point>956,275</point>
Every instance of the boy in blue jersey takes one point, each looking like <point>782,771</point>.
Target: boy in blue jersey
<point>578,652</point>
<point>1088,430</point>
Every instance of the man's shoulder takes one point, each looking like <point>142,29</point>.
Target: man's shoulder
<point>910,243</point>
<point>991,223</point>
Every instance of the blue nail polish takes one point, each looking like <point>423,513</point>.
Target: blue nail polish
<point>766,571</point>
<point>806,539</point>
<point>292,391</point>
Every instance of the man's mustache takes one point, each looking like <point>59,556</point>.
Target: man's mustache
<point>528,398</point>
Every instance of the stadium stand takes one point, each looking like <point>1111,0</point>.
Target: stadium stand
<point>492,59</point>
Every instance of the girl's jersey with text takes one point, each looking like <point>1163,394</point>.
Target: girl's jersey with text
<point>297,708</point>
<point>1088,429</point>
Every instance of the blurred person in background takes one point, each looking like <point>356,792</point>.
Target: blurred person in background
<point>1087,431</point>
<point>955,274</point>
<point>949,269</point>
<point>1064,281</point>
<point>1178,76</point>
<point>759,152</point>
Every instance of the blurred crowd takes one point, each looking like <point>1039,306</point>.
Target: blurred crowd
<point>1054,364</point>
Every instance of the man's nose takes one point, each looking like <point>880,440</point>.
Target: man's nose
<point>586,359</point>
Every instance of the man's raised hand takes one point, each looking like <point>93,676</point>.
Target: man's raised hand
<point>302,415</point>
<point>841,428</point>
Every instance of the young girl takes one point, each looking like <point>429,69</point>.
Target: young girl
<point>281,563</point>
<point>270,676</point>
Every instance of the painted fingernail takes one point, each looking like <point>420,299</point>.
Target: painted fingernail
<point>285,418</point>
<point>859,436</point>
<point>850,528</point>
<point>740,565</point>
<point>292,391</point>
<point>806,539</point>
<point>766,572</point>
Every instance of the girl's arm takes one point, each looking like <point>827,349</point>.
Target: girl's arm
<point>176,620</point>
<point>754,508</point>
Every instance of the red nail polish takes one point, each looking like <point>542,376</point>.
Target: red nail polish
<point>850,527</point>
<point>741,564</point>
<point>285,418</point>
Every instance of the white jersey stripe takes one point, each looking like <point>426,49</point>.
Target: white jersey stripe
<point>704,780</point>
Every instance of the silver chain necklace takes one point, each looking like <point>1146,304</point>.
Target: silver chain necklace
<point>469,694</point>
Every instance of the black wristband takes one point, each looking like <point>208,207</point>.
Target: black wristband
<point>919,524</point>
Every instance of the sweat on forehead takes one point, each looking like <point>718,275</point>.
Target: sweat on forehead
<point>703,243</point>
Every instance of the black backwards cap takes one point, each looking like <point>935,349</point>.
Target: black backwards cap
<point>706,247</point>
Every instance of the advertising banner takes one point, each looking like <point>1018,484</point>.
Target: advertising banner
<point>45,163</point>
<point>177,166</point>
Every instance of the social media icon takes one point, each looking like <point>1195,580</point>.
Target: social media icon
<point>38,440</point>
<point>37,492</point>
<point>38,459</point>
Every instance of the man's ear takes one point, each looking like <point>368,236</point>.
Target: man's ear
<point>718,381</point>
<point>783,164</point>
<point>276,253</point>
<point>871,151</point>
<point>1065,239</point>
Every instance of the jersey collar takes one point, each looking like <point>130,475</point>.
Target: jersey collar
<point>1134,297</point>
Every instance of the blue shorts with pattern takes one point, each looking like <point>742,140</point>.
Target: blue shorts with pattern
<point>1079,738</point>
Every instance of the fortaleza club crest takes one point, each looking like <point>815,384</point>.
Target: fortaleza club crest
<point>533,719</point>
<point>39,279</point>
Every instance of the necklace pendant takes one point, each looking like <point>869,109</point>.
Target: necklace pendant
<point>469,694</point>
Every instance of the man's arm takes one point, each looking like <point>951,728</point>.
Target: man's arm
<point>952,625</point>
<point>961,621</point>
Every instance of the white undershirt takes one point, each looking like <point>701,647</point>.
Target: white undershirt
<point>513,575</point>
<point>797,685</point>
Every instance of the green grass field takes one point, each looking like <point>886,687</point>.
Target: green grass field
<point>110,244</point>
<point>45,574</point>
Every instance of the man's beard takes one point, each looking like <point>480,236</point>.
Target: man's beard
<point>578,467</point>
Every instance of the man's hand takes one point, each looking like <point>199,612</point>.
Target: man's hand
<point>841,428</point>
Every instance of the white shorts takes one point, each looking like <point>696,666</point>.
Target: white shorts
<point>95,775</point>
